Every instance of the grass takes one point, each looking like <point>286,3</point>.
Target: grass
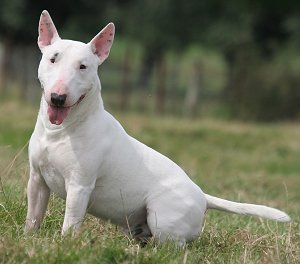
<point>242,161</point>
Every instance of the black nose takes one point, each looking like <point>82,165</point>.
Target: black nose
<point>58,100</point>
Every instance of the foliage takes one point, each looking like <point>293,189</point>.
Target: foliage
<point>270,92</point>
<point>250,36</point>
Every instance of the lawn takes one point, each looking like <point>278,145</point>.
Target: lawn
<point>258,163</point>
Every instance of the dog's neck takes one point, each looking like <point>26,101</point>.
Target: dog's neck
<point>80,112</point>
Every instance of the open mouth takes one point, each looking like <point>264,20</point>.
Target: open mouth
<point>58,114</point>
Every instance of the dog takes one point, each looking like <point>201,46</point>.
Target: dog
<point>82,153</point>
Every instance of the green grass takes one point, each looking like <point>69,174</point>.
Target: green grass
<point>242,161</point>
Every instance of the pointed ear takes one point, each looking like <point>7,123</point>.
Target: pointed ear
<point>47,31</point>
<point>102,42</point>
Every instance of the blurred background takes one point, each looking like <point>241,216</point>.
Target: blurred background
<point>213,58</point>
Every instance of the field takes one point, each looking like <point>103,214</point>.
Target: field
<point>258,163</point>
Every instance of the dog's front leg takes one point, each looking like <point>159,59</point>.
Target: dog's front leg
<point>76,205</point>
<point>38,196</point>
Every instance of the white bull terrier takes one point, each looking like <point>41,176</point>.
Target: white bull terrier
<point>83,154</point>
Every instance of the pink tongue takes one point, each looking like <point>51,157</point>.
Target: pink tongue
<point>57,114</point>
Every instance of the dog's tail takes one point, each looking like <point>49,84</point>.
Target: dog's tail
<point>246,209</point>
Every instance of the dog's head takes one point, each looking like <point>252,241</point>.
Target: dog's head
<point>68,69</point>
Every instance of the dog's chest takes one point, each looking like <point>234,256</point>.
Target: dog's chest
<point>55,163</point>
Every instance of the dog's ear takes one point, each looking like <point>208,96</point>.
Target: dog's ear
<point>47,31</point>
<point>102,42</point>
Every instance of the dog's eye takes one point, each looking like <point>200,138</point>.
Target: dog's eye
<point>53,59</point>
<point>82,67</point>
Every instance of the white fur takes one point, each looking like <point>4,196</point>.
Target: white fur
<point>90,160</point>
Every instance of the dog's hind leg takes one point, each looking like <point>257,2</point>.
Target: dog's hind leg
<point>142,233</point>
<point>139,232</point>
<point>178,221</point>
